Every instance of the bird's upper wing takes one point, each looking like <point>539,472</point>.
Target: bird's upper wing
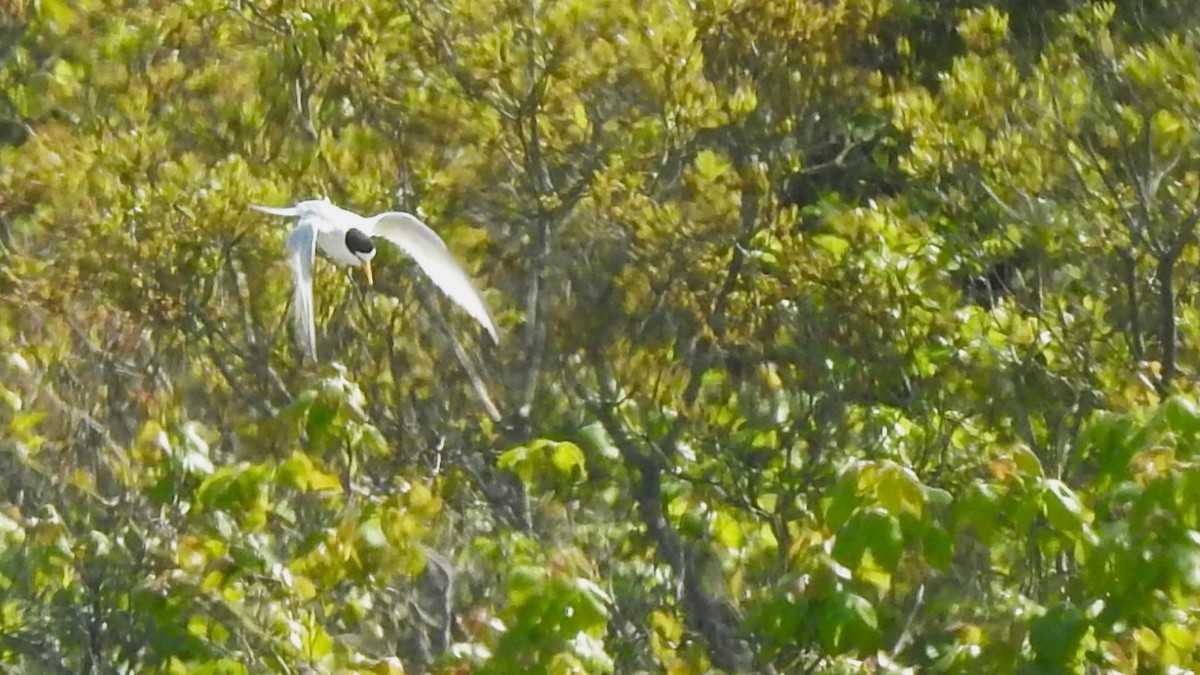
<point>301,247</point>
<point>427,248</point>
<point>277,210</point>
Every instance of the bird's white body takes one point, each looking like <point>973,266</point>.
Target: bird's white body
<point>344,236</point>
<point>332,239</point>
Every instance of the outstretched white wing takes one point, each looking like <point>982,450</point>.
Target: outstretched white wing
<point>427,248</point>
<point>301,247</point>
<point>288,211</point>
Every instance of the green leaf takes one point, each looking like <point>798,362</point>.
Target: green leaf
<point>373,441</point>
<point>579,116</point>
<point>320,417</point>
<point>979,510</point>
<point>212,492</point>
<point>1063,509</point>
<point>874,530</point>
<point>523,583</point>
<point>517,460</point>
<point>744,100</point>
<point>900,491</point>
<point>728,531</point>
<point>711,165</point>
<point>1027,462</point>
<point>844,500</point>
<point>596,441</point>
<point>1056,636</point>
<point>1168,127</point>
<point>849,625</point>
<point>1182,415</point>
<point>421,501</point>
<point>567,457</point>
<point>544,459</point>
<point>1179,636</point>
<point>938,496</point>
<point>57,13</point>
<point>1114,439</point>
<point>1146,639</point>
<point>10,398</point>
<point>320,481</point>
<point>301,473</point>
<point>370,533</point>
<point>938,547</point>
<point>294,471</point>
<point>197,626</point>
<point>862,611</point>
<point>596,600</point>
<point>24,422</point>
<point>832,243</point>
<point>236,488</point>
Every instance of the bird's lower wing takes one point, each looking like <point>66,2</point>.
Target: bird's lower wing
<point>301,247</point>
<point>430,252</point>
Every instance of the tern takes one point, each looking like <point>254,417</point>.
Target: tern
<point>346,238</point>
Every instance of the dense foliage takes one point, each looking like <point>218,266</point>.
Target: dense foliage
<point>836,336</point>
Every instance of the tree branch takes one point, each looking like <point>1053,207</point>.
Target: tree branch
<point>709,614</point>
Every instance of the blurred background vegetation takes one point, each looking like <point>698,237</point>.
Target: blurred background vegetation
<point>837,336</point>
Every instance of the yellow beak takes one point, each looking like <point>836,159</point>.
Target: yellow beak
<point>370,277</point>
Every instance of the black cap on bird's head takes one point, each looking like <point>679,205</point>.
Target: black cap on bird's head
<point>363,248</point>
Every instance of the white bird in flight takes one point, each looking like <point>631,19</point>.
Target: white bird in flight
<point>346,238</point>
